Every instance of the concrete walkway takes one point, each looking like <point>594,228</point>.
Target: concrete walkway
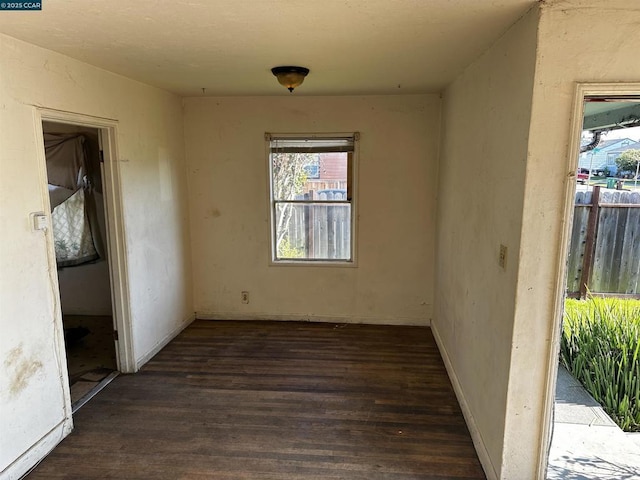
<point>586,444</point>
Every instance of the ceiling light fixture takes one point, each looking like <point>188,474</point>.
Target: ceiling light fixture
<point>290,77</point>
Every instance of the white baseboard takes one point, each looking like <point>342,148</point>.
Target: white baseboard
<point>305,317</point>
<point>163,343</point>
<point>29,459</point>
<point>476,436</point>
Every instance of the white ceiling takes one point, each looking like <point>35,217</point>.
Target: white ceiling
<point>229,46</point>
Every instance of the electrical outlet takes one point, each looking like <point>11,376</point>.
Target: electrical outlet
<point>245,297</point>
<point>502,257</point>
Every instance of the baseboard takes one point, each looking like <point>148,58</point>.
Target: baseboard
<point>476,436</point>
<point>305,317</point>
<point>29,459</point>
<point>163,343</point>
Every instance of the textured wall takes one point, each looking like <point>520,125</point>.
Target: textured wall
<point>486,116</point>
<point>228,185</point>
<point>33,391</point>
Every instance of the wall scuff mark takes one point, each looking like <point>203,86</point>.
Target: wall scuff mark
<point>20,369</point>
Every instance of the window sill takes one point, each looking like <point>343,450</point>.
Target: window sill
<point>313,263</point>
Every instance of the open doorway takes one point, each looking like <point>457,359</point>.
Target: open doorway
<point>596,405</point>
<point>79,224</point>
<point>92,273</point>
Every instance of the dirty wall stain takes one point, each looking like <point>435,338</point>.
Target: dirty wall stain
<point>20,369</point>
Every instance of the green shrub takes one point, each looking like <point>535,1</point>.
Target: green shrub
<point>601,348</point>
<point>286,250</point>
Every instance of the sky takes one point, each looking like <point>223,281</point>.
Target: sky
<point>632,133</point>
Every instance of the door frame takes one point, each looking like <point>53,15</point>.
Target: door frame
<point>582,90</point>
<point>115,226</point>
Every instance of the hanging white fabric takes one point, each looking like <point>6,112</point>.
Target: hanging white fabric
<point>71,233</point>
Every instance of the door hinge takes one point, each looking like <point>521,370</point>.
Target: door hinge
<point>115,335</point>
<point>101,156</point>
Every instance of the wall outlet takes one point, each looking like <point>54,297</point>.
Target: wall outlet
<point>502,257</point>
<point>244,297</point>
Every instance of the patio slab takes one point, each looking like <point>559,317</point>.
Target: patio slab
<point>587,444</point>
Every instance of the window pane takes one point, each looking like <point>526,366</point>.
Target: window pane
<point>313,231</point>
<point>310,176</point>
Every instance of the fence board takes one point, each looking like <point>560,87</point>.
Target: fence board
<point>615,267</point>
<point>578,238</point>
<point>318,230</point>
<point>628,262</point>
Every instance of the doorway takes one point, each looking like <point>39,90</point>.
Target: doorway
<point>599,268</point>
<point>82,180</point>
<point>78,221</point>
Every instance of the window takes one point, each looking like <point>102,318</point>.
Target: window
<point>312,197</point>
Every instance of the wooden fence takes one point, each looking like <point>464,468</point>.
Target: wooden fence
<point>604,254</point>
<point>322,230</point>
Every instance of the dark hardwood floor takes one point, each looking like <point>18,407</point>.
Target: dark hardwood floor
<point>276,400</point>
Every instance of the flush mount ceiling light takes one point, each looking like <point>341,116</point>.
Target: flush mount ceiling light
<point>290,77</point>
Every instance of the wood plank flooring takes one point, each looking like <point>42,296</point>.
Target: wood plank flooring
<point>276,401</point>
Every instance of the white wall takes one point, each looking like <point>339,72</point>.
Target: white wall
<point>85,289</point>
<point>228,186</point>
<point>496,326</point>
<point>486,115</point>
<point>578,41</point>
<point>33,390</point>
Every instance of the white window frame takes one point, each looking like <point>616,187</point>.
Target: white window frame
<point>273,260</point>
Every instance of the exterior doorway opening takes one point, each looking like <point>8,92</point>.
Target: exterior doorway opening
<point>594,397</point>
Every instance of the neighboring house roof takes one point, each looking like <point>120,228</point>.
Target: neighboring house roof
<point>602,156</point>
<point>612,142</point>
<point>632,146</point>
